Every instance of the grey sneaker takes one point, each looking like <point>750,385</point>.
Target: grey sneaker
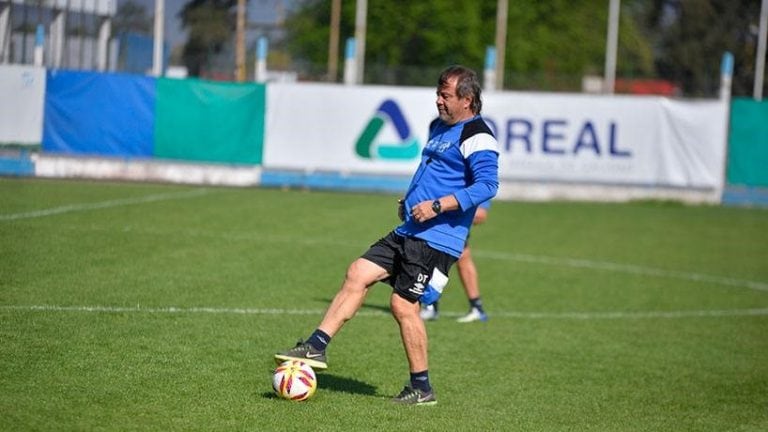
<point>428,313</point>
<point>303,352</point>
<point>412,396</point>
<point>474,314</point>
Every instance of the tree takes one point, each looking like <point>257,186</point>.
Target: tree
<point>559,41</point>
<point>132,17</point>
<point>409,41</point>
<point>211,25</point>
<point>404,36</point>
<point>692,36</point>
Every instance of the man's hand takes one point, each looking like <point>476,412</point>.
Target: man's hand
<point>422,211</point>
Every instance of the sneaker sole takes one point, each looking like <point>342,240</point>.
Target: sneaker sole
<point>279,358</point>
<point>430,403</point>
<point>461,320</point>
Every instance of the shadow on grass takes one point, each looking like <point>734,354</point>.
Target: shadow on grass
<point>338,384</point>
<point>343,384</point>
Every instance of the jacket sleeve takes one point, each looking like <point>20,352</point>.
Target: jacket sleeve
<point>484,166</point>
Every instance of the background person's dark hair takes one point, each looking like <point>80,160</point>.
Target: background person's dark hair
<point>467,85</point>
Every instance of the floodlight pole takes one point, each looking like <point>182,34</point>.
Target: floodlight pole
<point>157,54</point>
<point>5,32</point>
<point>502,8</point>
<point>611,46</point>
<point>760,61</point>
<point>240,42</point>
<point>333,41</point>
<point>360,31</point>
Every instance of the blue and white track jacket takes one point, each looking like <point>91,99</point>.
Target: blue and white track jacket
<point>459,159</point>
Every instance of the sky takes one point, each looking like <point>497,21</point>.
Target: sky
<point>259,11</point>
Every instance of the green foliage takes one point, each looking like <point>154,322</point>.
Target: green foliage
<point>550,44</point>
<point>211,24</point>
<point>158,307</point>
<point>406,39</point>
<point>693,36</point>
<point>132,17</point>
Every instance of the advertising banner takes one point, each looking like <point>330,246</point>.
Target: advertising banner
<point>620,140</point>
<point>326,127</point>
<point>21,105</point>
<point>616,140</point>
<point>208,121</point>
<point>748,149</point>
<point>97,114</point>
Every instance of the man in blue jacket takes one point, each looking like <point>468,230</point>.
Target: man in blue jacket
<point>458,172</point>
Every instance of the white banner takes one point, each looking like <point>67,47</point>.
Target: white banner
<point>622,140</point>
<point>322,127</point>
<point>22,91</point>
<point>616,140</point>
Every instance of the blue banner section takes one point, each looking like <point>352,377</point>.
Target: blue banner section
<point>17,165</point>
<point>334,181</point>
<point>90,113</point>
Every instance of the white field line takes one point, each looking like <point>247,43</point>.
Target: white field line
<point>102,204</point>
<point>495,314</point>
<point>622,268</point>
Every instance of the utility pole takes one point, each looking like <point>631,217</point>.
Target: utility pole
<point>240,42</point>
<point>760,61</point>
<point>333,41</point>
<point>360,30</point>
<point>157,54</point>
<point>502,8</point>
<point>610,46</point>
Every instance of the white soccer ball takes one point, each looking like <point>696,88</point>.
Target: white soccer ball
<point>294,380</point>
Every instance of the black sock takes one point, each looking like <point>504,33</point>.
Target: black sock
<point>476,303</point>
<point>420,380</point>
<point>319,340</point>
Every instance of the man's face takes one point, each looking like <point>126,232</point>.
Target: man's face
<point>450,107</point>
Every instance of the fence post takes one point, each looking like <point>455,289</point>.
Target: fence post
<point>261,59</point>
<point>489,74</point>
<point>350,66</point>
<point>39,45</point>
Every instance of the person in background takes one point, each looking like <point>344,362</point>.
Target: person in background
<point>469,280</point>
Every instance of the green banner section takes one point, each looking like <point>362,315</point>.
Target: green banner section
<point>748,143</point>
<point>209,121</point>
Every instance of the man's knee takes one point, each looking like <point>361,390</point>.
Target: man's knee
<point>402,307</point>
<point>363,273</point>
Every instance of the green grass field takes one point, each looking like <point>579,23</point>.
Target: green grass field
<point>157,307</point>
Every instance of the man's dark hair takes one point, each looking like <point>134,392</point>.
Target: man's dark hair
<point>467,85</point>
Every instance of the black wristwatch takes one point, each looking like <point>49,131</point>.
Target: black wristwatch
<point>436,207</point>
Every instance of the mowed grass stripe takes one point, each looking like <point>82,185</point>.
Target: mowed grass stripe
<point>623,268</point>
<point>102,205</point>
<point>377,313</point>
<point>561,262</point>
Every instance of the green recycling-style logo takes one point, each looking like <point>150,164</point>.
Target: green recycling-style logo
<point>408,148</point>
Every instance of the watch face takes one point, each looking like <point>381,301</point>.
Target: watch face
<point>436,207</point>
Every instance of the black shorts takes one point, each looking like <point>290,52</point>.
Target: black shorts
<point>411,264</point>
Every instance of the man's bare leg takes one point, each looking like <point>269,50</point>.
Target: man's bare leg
<point>361,274</point>
<point>412,331</point>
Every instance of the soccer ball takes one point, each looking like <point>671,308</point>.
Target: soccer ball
<point>294,380</point>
